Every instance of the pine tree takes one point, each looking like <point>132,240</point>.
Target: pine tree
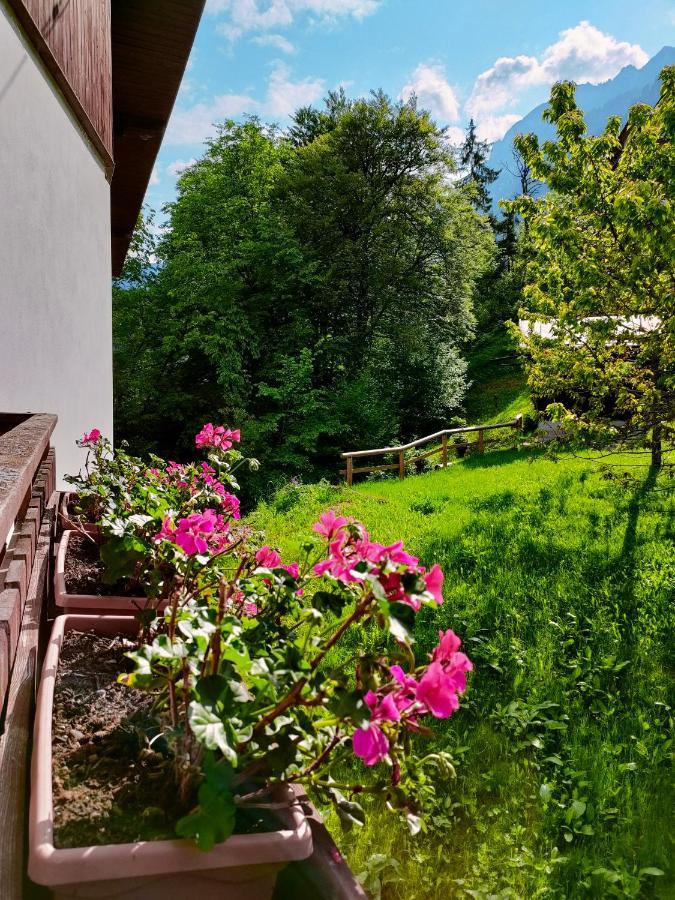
<point>472,157</point>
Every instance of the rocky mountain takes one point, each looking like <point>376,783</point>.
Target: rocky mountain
<point>599,102</point>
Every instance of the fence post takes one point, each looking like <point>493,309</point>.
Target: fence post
<point>481,441</point>
<point>519,422</point>
<point>350,471</point>
<point>444,456</point>
<point>401,464</point>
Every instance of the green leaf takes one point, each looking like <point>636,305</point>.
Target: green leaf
<point>213,820</point>
<point>210,730</point>
<point>578,808</point>
<point>401,622</point>
<point>120,556</point>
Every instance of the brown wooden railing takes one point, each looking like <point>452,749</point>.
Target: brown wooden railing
<point>444,448</point>
<point>28,503</point>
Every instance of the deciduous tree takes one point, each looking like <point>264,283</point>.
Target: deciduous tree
<point>602,270</point>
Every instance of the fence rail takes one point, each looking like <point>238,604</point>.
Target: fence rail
<point>480,430</point>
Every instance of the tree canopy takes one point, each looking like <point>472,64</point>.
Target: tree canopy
<point>314,286</point>
<point>602,266</point>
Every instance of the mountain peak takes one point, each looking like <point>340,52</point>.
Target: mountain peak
<point>598,101</point>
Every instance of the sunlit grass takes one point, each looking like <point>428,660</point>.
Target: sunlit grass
<point>561,583</point>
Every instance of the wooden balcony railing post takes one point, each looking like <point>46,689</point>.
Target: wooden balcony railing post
<point>401,464</point>
<point>444,451</point>
<point>350,471</point>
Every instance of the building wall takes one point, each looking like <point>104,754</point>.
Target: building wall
<point>55,297</point>
<point>74,36</point>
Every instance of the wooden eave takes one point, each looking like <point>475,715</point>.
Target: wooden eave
<point>151,43</point>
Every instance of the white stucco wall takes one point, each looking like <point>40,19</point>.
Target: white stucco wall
<point>55,294</point>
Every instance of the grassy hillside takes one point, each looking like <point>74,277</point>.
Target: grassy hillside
<point>561,584</point>
<point>498,384</point>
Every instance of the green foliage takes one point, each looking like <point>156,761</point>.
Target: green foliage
<point>316,287</point>
<point>602,266</point>
<point>477,175</point>
<point>233,643</point>
<point>498,390</point>
<point>563,583</point>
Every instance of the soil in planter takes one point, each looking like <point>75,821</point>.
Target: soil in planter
<point>109,786</point>
<point>84,571</point>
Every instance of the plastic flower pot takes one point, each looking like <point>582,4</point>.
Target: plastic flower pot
<point>97,604</point>
<point>65,516</point>
<point>244,867</point>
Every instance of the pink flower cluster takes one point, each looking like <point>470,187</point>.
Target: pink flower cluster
<point>229,502</point>
<point>198,533</point>
<point>217,436</point>
<point>352,556</point>
<point>407,698</point>
<point>91,437</point>
<point>187,481</point>
<point>270,559</point>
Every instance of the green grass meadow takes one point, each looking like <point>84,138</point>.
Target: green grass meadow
<point>561,583</point>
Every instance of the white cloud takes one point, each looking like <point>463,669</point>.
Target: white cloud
<point>194,124</point>
<point>278,41</point>
<point>283,96</point>
<point>178,166</point>
<point>493,128</point>
<point>455,135</point>
<point>265,15</point>
<point>583,53</point>
<point>154,177</point>
<point>429,84</point>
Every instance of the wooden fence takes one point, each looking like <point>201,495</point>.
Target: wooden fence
<point>444,448</point>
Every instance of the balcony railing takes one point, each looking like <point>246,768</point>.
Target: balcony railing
<point>27,520</point>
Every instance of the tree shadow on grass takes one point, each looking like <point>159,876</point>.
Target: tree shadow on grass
<point>628,560</point>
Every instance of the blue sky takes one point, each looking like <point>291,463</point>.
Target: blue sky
<point>493,59</point>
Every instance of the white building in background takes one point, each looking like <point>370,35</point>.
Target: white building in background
<point>636,325</point>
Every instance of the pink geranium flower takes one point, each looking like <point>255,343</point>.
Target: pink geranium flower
<point>437,692</point>
<point>167,532</point>
<point>370,744</point>
<point>329,524</point>
<point>434,582</point>
<point>268,558</point>
<point>217,436</point>
<point>193,532</point>
<point>198,533</point>
<point>92,437</point>
<point>353,557</point>
<point>445,677</point>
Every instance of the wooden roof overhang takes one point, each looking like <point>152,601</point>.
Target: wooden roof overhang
<point>119,64</point>
<point>151,42</point>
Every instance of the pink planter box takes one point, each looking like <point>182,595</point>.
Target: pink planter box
<point>242,868</point>
<point>64,516</point>
<point>89,603</point>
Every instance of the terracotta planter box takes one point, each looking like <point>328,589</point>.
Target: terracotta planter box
<point>98,604</point>
<point>242,868</point>
<point>65,520</point>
